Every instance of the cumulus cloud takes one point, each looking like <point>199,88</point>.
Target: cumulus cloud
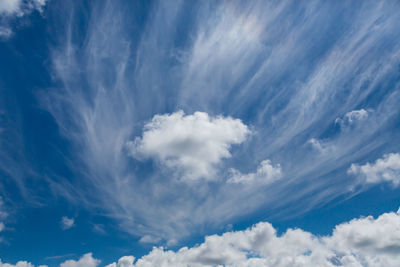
<point>352,117</point>
<point>385,169</point>
<point>67,223</point>
<point>360,242</point>
<point>126,261</point>
<point>86,260</point>
<point>192,144</point>
<point>266,173</point>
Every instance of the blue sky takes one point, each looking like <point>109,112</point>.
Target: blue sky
<point>138,128</point>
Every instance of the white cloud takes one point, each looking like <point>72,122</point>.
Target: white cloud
<point>386,169</point>
<point>9,6</point>
<point>19,7</point>
<point>266,173</point>
<point>67,223</point>
<point>10,9</point>
<point>86,260</point>
<point>126,261</point>
<point>352,117</point>
<point>193,144</point>
<point>366,242</point>
<point>360,242</point>
<point>20,264</point>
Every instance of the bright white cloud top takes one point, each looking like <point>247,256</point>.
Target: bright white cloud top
<point>193,144</point>
<point>385,169</point>
<point>360,242</point>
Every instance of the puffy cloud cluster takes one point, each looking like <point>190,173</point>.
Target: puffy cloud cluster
<point>191,144</point>
<point>385,169</point>
<point>360,242</point>
<point>266,173</point>
<point>87,260</point>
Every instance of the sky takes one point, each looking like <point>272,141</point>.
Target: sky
<point>199,133</point>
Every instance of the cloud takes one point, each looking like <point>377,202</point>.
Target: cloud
<point>86,260</point>
<point>193,144</point>
<point>266,173</point>
<point>230,59</point>
<point>366,241</point>
<point>67,223</point>
<point>20,7</point>
<point>352,117</point>
<point>14,9</point>
<point>10,6</point>
<point>385,169</point>
<point>126,261</point>
<point>359,242</point>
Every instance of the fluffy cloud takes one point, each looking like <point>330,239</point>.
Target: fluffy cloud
<point>386,169</point>
<point>67,223</point>
<point>191,144</point>
<point>126,261</point>
<point>360,242</point>
<point>87,260</point>
<point>266,173</point>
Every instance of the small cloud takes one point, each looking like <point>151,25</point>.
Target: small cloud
<point>191,144</point>
<point>67,223</point>
<point>385,169</point>
<point>266,173</point>
<point>352,117</point>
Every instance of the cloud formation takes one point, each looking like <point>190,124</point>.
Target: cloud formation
<point>266,173</point>
<point>86,260</point>
<point>230,59</point>
<point>366,241</point>
<point>352,117</point>
<point>67,223</point>
<point>14,9</point>
<point>359,242</point>
<point>20,7</point>
<point>193,144</point>
<point>385,169</point>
